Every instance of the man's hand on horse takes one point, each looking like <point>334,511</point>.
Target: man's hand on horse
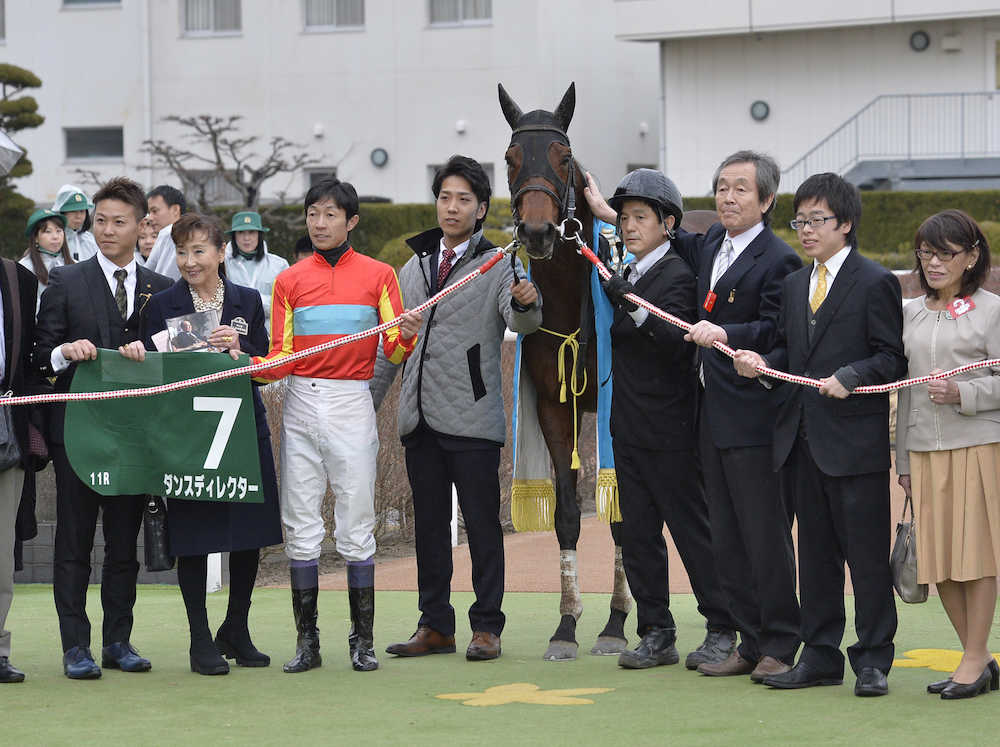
<point>598,205</point>
<point>615,288</point>
<point>746,363</point>
<point>524,292</point>
<point>706,334</point>
<point>409,324</point>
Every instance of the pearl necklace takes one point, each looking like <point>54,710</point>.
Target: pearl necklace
<point>214,303</point>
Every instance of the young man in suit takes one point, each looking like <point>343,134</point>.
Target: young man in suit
<point>841,322</point>
<point>652,421</point>
<point>92,304</point>
<point>740,265</point>
<point>15,372</point>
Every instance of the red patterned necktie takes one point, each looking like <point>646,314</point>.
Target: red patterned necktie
<point>444,265</point>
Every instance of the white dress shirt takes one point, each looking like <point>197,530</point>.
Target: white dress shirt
<point>638,268</point>
<point>833,266</point>
<point>163,256</point>
<point>739,242</point>
<point>58,360</point>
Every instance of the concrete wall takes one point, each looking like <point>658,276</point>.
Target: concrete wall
<point>812,80</point>
<point>397,84</point>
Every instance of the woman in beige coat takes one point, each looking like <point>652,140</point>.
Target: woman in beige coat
<point>948,439</point>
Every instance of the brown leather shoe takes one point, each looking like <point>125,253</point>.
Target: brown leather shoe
<point>731,667</point>
<point>484,646</point>
<point>767,667</point>
<point>424,641</point>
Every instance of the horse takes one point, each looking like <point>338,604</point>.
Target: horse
<point>549,209</point>
<point>551,216</point>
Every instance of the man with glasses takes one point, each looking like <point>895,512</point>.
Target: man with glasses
<point>740,265</point>
<point>841,323</point>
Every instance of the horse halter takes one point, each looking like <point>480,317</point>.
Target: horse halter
<point>536,164</point>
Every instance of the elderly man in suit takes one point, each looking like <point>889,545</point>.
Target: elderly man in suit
<point>18,288</point>
<point>740,265</point>
<point>841,322</point>
<point>92,304</point>
<point>653,422</point>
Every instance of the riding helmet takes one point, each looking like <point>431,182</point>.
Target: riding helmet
<point>652,186</point>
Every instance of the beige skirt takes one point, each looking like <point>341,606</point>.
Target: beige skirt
<point>956,502</point>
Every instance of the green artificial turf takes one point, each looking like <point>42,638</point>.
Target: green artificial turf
<point>397,704</point>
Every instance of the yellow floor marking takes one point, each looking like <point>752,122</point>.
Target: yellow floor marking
<point>526,692</point>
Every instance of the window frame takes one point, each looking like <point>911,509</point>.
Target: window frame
<point>461,23</point>
<point>90,5</point>
<point>335,29</point>
<point>206,34</point>
<point>67,158</point>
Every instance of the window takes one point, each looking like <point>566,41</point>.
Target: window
<point>94,142</point>
<point>218,191</point>
<point>85,3</point>
<point>326,15</point>
<point>212,17</point>
<point>3,21</point>
<point>461,12</point>
<point>314,176</point>
<point>432,169</point>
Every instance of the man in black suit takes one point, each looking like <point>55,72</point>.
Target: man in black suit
<point>652,421</point>
<point>96,303</point>
<point>740,265</point>
<point>17,325</point>
<point>841,322</point>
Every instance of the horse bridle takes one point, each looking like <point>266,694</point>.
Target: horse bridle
<point>533,167</point>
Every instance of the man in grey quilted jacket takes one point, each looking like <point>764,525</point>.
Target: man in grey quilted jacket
<point>451,415</point>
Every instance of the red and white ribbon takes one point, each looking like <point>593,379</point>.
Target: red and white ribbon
<point>781,375</point>
<point>256,367</point>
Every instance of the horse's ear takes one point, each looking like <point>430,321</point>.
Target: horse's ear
<point>564,112</point>
<point>511,111</point>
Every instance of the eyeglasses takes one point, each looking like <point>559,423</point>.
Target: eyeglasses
<point>945,255</point>
<point>811,222</point>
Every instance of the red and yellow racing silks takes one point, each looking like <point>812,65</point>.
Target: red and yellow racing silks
<point>313,303</point>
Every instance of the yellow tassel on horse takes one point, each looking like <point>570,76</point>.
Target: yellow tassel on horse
<point>533,505</point>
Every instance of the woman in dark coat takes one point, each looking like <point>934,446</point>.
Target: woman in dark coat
<point>197,528</point>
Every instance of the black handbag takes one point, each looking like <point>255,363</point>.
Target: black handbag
<point>154,532</point>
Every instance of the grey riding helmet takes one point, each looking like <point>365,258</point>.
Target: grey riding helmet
<point>652,186</point>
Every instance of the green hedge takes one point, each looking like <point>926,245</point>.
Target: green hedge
<point>889,220</point>
<point>15,209</point>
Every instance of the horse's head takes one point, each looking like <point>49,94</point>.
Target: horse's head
<point>540,171</point>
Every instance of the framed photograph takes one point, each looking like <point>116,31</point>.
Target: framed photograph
<point>190,332</point>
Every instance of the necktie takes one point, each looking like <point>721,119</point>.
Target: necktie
<point>628,271</point>
<point>444,265</point>
<point>725,259</point>
<point>121,299</point>
<point>816,300</point>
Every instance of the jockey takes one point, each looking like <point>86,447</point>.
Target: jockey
<point>328,429</point>
<point>652,422</point>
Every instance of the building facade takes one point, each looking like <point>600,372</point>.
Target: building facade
<point>378,90</point>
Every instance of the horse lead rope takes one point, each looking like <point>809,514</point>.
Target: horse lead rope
<point>605,273</point>
<point>256,367</point>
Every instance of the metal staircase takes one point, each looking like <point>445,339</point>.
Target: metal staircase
<point>899,140</point>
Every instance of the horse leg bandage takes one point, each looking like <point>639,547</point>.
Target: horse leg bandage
<point>621,597</point>
<point>570,603</point>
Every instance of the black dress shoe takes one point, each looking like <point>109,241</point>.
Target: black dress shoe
<point>656,648</point>
<point>8,672</point>
<point>123,656</point>
<point>205,657</point>
<point>935,688</point>
<point>78,664</point>
<point>803,675</point>
<point>959,690</point>
<point>871,683</point>
<point>233,641</point>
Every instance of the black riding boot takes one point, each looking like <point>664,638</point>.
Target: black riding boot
<point>361,638</point>
<point>233,639</point>
<point>307,645</point>
<point>204,657</point>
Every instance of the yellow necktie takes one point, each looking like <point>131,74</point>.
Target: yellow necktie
<point>820,293</point>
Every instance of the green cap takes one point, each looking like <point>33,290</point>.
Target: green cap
<point>248,220</point>
<point>40,215</point>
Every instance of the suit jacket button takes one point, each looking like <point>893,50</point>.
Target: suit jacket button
<point>812,322</point>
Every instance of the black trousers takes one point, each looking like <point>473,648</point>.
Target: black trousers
<point>752,540</point>
<point>657,487</point>
<point>432,470</point>
<point>76,521</point>
<point>843,519</point>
